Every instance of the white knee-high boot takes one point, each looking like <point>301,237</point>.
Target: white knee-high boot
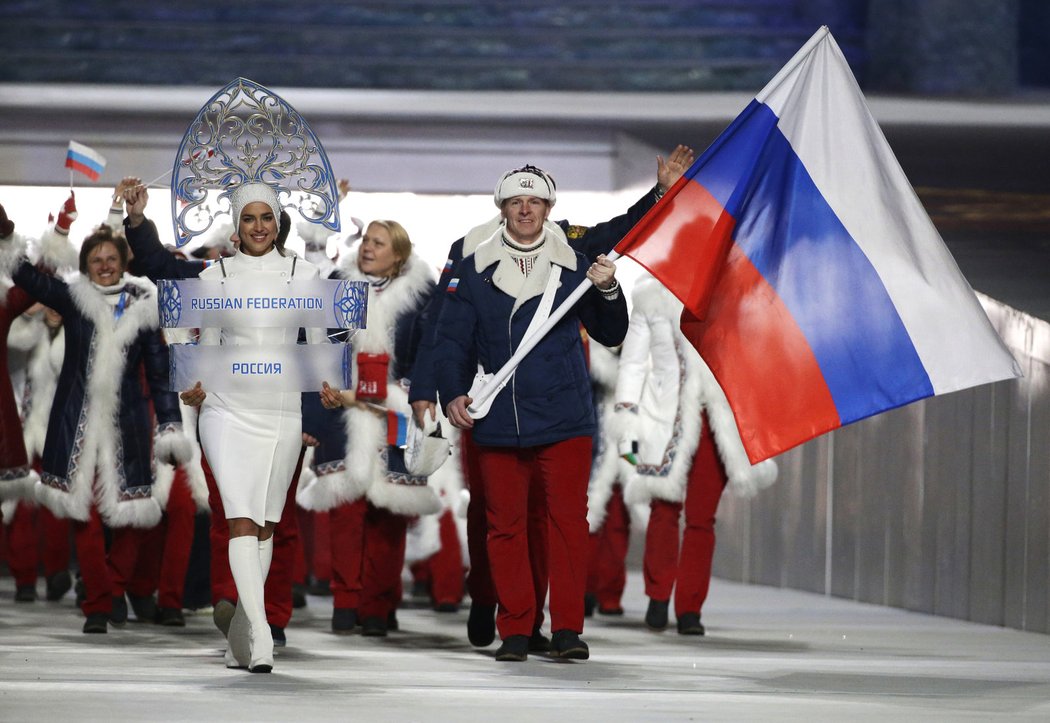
<point>265,556</point>
<point>247,574</point>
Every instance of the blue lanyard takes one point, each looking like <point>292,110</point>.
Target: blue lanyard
<point>122,302</point>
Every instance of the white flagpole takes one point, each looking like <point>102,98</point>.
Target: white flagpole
<point>150,183</point>
<point>479,401</point>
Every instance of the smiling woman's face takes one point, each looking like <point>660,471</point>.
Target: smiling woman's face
<point>103,264</point>
<point>257,228</point>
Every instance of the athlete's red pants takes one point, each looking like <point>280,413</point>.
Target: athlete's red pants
<point>607,571</point>
<point>686,570</point>
<point>558,473</point>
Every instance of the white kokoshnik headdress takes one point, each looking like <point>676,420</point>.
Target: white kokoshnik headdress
<point>247,134</point>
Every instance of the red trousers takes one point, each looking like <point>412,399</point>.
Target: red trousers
<point>607,571</point>
<point>446,565</point>
<point>688,570</point>
<point>165,553</point>
<point>34,535</point>
<point>346,529</point>
<point>316,557</point>
<point>513,476</point>
<point>105,575</point>
<point>278,589</point>
<point>479,577</point>
<point>480,586</point>
<point>381,562</point>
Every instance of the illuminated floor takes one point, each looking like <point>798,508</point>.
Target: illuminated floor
<point>769,655</point>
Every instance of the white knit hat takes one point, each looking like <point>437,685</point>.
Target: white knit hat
<point>525,181</point>
<point>250,193</point>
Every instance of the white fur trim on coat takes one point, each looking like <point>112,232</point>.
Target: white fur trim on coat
<point>56,252</point>
<point>365,469</point>
<point>102,396</point>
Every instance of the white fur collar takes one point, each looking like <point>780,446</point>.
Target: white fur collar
<point>402,294</point>
<point>141,314</point>
<point>508,277</point>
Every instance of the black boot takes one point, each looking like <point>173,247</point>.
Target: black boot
<point>538,642</point>
<point>515,649</point>
<point>481,625</point>
<point>279,638</point>
<point>58,585</point>
<point>298,596</point>
<point>171,617</point>
<point>656,615</point>
<point>374,627</point>
<point>689,624</point>
<point>567,644</point>
<point>590,602</point>
<point>96,623</point>
<point>119,613</point>
<point>144,606</point>
<point>25,593</point>
<point>344,620</point>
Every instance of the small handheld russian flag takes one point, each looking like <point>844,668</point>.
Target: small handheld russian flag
<point>86,160</point>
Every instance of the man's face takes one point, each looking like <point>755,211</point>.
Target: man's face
<point>525,216</point>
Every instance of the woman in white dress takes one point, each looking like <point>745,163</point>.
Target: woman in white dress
<point>252,440</point>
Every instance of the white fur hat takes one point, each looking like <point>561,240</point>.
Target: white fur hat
<point>250,193</point>
<point>525,181</point>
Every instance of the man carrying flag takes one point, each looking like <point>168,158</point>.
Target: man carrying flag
<point>85,160</point>
<point>815,286</point>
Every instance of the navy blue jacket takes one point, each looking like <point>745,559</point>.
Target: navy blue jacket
<point>591,241</point>
<point>548,399</point>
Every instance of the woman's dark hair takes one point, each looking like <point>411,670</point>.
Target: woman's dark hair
<point>283,229</point>
<point>103,235</point>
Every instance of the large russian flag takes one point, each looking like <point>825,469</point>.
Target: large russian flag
<point>816,287</point>
<point>86,160</point>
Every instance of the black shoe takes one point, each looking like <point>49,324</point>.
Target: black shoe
<point>391,621</point>
<point>539,643</point>
<point>58,585</point>
<point>96,623</point>
<point>616,612</point>
<point>374,627</point>
<point>298,596</point>
<point>344,620</point>
<point>25,593</point>
<point>567,644</point>
<point>448,607</point>
<point>420,590</point>
<point>279,639</point>
<point>320,588</point>
<point>689,624</point>
<point>514,649</point>
<point>590,602</point>
<point>144,607</point>
<point>78,588</point>
<point>119,614</point>
<point>481,625</point>
<point>171,617</point>
<point>656,615</point>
